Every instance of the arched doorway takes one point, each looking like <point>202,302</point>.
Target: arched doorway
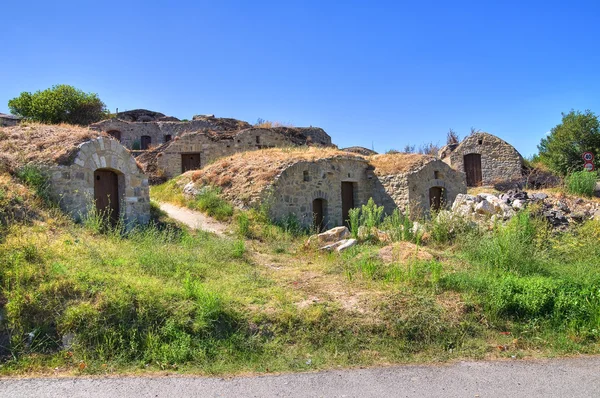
<point>473,169</point>
<point>115,134</point>
<point>319,207</point>
<point>106,194</point>
<point>436,198</point>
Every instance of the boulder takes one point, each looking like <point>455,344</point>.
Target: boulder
<point>518,204</point>
<point>331,236</point>
<point>484,207</point>
<point>345,244</point>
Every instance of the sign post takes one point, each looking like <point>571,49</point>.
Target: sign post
<point>588,158</point>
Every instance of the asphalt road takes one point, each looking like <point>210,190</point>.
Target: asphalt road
<point>578,377</point>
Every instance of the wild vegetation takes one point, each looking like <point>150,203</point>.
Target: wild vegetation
<point>59,104</point>
<point>83,299</point>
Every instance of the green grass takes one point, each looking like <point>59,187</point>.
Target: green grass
<point>581,183</point>
<point>160,298</point>
<point>208,200</point>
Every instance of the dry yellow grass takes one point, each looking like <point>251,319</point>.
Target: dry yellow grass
<point>398,163</point>
<point>40,143</point>
<point>256,169</point>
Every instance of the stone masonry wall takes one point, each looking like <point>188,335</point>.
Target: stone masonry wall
<point>411,190</point>
<point>72,187</point>
<point>291,194</point>
<point>209,149</point>
<point>500,161</point>
<point>434,174</point>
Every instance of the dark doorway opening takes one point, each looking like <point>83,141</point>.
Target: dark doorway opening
<point>436,198</point>
<point>115,134</point>
<point>473,169</point>
<point>190,161</point>
<point>106,194</point>
<point>319,208</point>
<point>145,142</point>
<point>168,137</point>
<point>347,200</point>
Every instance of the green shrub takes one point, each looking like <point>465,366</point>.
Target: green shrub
<point>34,177</point>
<point>398,226</point>
<point>445,226</point>
<point>209,202</point>
<point>354,221</point>
<point>519,246</point>
<point>581,183</point>
<point>371,215</point>
<point>243,225</point>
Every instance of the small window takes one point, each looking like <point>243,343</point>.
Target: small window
<point>168,137</point>
<point>228,146</point>
<point>480,142</point>
<point>239,141</point>
<point>306,177</point>
<point>436,175</point>
<point>349,175</point>
<point>258,139</point>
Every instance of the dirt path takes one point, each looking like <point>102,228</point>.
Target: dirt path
<point>194,219</point>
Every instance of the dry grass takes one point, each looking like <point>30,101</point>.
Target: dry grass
<point>40,143</point>
<point>256,169</point>
<point>267,124</point>
<point>398,163</point>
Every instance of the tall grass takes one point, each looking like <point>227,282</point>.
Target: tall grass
<point>581,183</point>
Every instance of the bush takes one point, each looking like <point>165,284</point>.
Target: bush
<point>398,226</point>
<point>36,179</point>
<point>581,183</point>
<point>209,202</point>
<point>59,104</point>
<point>519,246</point>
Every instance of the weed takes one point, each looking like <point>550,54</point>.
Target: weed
<point>581,183</point>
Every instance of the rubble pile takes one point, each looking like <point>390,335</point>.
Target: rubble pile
<point>560,211</point>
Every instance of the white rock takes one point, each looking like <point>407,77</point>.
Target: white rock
<point>333,235</point>
<point>518,204</point>
<point>346,244</point>
<point>485,207</point>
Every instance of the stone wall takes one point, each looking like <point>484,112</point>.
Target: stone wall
<point>72,186</point>
<point>292,194</point>
<point>500,161</point>
<point>411,190</point>
<point>131,132</point>
<point>8,120</point>
<point>210,149</point>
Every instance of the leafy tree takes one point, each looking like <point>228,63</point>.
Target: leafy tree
<point>561,150</point>
<point>59,104</point>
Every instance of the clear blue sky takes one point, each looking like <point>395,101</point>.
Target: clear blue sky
<point>370,73</point>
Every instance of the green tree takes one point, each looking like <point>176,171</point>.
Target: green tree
<point>561,150</point>
<point>59,104</point>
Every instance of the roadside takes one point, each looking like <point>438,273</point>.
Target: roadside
<point>572,377</point>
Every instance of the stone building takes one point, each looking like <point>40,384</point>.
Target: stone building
<point>320,185</point>
<point>9,120</point>
<point>85,170</point>
<point>485,159</point>
<point>415,182</point>
<point>192,151</point>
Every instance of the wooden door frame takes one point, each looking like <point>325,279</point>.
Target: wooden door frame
<point>473,174</point>
<point>191,153</point>
<point>114,204</point>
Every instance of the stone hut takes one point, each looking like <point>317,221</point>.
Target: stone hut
<point>484,158</point>
<point>419,183</point>
<point>320,185</point>
<point>192,151</point>
<point>85,170</point>
<point>9,120</point>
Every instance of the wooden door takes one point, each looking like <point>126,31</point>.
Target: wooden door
<point>318,214</point>
<point>473,169</point>
<point>347,200</point>
<point>106,194</point>
<point>115,134</point>
<point>145,142</point>
<point>190,161</point>
<point>436,196</point>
